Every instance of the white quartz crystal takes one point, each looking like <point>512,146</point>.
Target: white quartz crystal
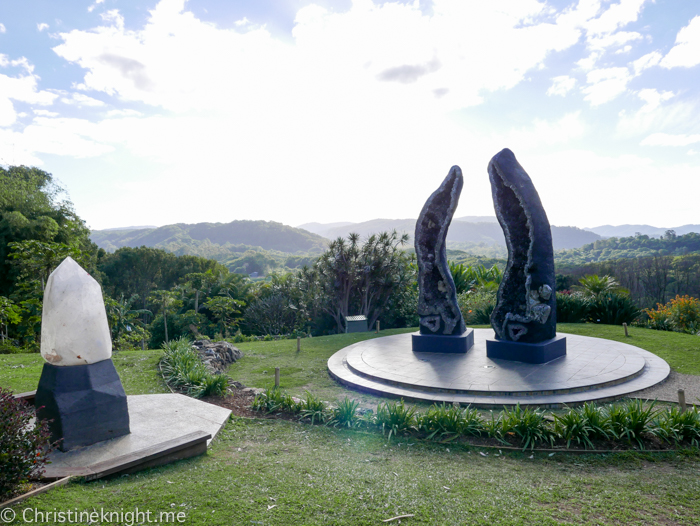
<point>74,329</point>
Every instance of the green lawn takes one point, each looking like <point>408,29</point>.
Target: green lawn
<point>275,472</point>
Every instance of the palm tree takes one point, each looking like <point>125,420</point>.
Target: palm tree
<point>593,286</point>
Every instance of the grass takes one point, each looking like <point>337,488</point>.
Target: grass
<point>271,472</point>
<point>276,472</point>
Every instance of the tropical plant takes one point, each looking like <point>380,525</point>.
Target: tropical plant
<point>183,368</point>
<point>592,286</point>
<point>125,324</point>
<point>477,306</point>
<point>25,444</point>
<point>395,418</point>
<point>582,425</point>
<point>225,310</point>
<point>167,302</point>
<point>676,425</point>
<point>572,308</point>
<point>528,425</point>
<point>612,309</point>
<point>312,408</point>
<point>345,413</point>
<point>632,421</point>
<point>449,421</point>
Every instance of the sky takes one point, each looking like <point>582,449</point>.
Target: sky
<point>174,111</point>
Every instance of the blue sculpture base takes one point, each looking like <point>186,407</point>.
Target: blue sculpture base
<point>443,343</point>
<point>541,352</point>
<point>87,403</point>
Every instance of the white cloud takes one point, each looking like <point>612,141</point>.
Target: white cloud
<point>7,112</point>
<point>24,89</point>
<point>589,62</point>
<point>611,40</point>
<point>92,7</point>
<point>653,98</point>
<point>647,61</point>
<point>686,52</point>
<point>2,28</point>
<point>545,133</point>
<point>45,113</point>
<point>41,26</point>
<point>124,113</point>
<point>79,99</point>
<point>617,16</point>
<point>561,85</point>
<point>668,139</point>
<point>606,84</point>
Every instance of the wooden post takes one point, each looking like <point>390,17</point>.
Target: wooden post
<point>626,333</point>
<point>277,376</point>
<point>377,331</point>
<point>681,400</point>
<point>298,343</point>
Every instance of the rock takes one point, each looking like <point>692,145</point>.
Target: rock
<point>526,306</point>
<point>437,301</point>
<point>217,356</point>
<point>74,329</point>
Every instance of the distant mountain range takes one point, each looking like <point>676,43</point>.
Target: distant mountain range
<point>464,233</point>
<point>213,239</point>
<point>647,230</point>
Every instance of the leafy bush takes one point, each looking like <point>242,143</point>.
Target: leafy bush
<point>395,417</point>
<point>24,445</point>
<point>528,425</point>
<point>183,368</point>
<point>632,421</point>
<point>450,422</point>
<point>345,415</point>
<point>583,425</point>
<point>312,408</point>
<point>676,426</point>
<point>681,314</point>
<point>572,308</point>
<point>7,347</point>
<point>477,307</point>
<point>612,308</point>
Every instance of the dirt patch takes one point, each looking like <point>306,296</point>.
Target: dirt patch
<point>239,401</point>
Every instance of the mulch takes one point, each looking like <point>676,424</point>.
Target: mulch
<point>239,401</point>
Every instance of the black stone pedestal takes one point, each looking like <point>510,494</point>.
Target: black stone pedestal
<point>443,343</point>
<point>541,352</point>
<point>87,403</point>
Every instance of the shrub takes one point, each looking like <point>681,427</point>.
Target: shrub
<point>583,425</point>
<point>313,408</point>
<point>681,314</point>
<point>632,421</point>
<point>183,368</point>
<point>676,426</point>
<point>612,308</point>
<point>395,417</point>
<point>450,422</point>
<point>477,307</point>
<point>572,308</point>
<point>345,414</point>
<point>7,347</point>
<point>528,425</point>
<point>24,445</point>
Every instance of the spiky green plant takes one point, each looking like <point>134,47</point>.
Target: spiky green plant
<point>345,414</point>
<point>528,425</point>
<point>395,418</point>
<point>449,422</point>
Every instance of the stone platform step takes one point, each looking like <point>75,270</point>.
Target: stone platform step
<point>593,370</point>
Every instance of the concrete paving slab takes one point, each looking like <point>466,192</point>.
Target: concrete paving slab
<point>154,419</point>
<point>594,369</point>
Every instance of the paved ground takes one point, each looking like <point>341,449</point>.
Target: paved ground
<point>593,369</point>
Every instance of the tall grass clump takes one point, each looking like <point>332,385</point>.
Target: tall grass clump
<point>633,421</point>
<point>449,422</point>
<point>395,418</point>
<point>528,425</point>
<point>583,425</point>
<point>679,426</point>
<point>345,414</point>
<point>274,400</point>
<point>182,368</point>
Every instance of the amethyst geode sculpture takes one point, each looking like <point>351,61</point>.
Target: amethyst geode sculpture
<point>524,319</point>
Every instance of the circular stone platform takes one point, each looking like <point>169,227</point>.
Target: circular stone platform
<point>593,369</point>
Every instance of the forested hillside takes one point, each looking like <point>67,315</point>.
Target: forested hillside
<point>631,247</point>
<point>215,240</point>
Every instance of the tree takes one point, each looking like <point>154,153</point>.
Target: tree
<point>38,259</point>
<point>224,310</point>
<point>167,301</point>
<point>34,207</point>
<point>9,313</point>
<point>593,286</point>
<point>123,320</point>
<point>360,276</point>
